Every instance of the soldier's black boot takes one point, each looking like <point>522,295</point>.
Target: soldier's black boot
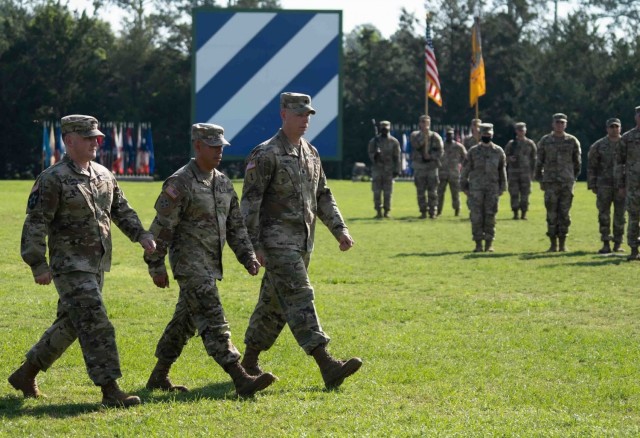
<point>554,244</point>
<point>634,254</point>
<point>159,379</point>
<point>457,213</point>
<point>334,371</point>
<point>562,247</point>
<point>247,385</point>
<point>378,214</point>
<point>386,213</point>
<point>523,216</point>
<point>606,249</point>
<point>24,379</point>
<point>250,361</point>
<point>617,247</point>
<point>515,213</point>
<point>478,247</point>
<point>423,215</point>
<point>488,245</point>
<point>113,396</point>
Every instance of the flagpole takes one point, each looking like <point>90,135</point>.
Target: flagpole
<point>426,82</point>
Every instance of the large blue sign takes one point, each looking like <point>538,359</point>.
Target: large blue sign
<point>243,60</point>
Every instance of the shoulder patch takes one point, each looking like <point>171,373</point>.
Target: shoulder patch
<point>251,165</point>
<point>172,191</point>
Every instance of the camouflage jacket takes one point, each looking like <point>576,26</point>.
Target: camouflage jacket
<point>452,160</point>
<point>196,213</point>
<point>420,145</point>
<point>521,156</point>
<point>74,208</point>
<point>559,159</point>
<point>469,142</point>
<point>627,169</point>
<point>284,190</point>
<point>601,164</point>
<point>484,169</point>
<point>384,154</point>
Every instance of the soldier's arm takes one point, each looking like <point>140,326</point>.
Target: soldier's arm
<point>540,161</point>
<point>533,158</point>
<point>41,209</point>
<point>463,153</point>
<point>397,154</point>
<point>125,217</point>
<point>466,169</point>
<point>372,149</point>
<point>592,167</point>
<point>619,170</point>
<point>438,147</point>
<point>237,235</point>
<point>502,169</point>
<point>328,211</point>
<point>257,177</point>
<point>577,158</point>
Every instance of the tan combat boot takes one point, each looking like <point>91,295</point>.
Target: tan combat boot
<point>561,244</point>
<point>554,245</point>
<point>334,371</point>
<point>378,214</point>
<point>606,249</point>
<point>515,213</point>
<point>488,245</point>
<point>478,247</point>
<point>423,215</point>
<point>159,379</point>
<point>24,379</point>
<point>247,385</point>
<point>112,396</point>
<point>634,254</point>
<point>523,216</point>
<point>250,362</point>
<point>386,213</point>
<point>617,247</point>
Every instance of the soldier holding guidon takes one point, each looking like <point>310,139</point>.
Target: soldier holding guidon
<point>426,151</point>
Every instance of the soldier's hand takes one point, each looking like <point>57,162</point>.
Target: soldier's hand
<point>253,267</point>
<point>346,242</point>
<point>161,280</point>
<point>466,192</point>
<point>542,186</point>
<point>149,245</point>
<point>622,192</point>
<point>260,257</point>
<point>595,191</point>
<point>44,278</point>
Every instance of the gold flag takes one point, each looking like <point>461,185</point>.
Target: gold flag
<point>477,83</point>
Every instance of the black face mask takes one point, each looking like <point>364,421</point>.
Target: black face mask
<point>486,139</point>
<point>384,132</point>
<point>449,137</point>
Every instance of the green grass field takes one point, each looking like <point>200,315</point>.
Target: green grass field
<point>515,343</point>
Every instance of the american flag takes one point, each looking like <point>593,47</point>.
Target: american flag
<point>433,79</point>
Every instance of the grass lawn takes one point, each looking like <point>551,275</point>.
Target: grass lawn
<point>515,343</point>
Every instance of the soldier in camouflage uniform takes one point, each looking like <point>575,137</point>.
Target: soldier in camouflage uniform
<point>72,204</point>
<point>557,168</point>
<point>285,189</point>
<point>384,153</point>
<point>196,213</point>
<point>521,164</point>
<point>484,180</point>
<point>426,151</point>
<point>600,169</point>
<point>474,138</point>
<point>449,173</point>
<point>627,179</point>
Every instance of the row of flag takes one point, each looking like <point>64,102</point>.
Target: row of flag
<point>477,83</point>
<point>126,148</point>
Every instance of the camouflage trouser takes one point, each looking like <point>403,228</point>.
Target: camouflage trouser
<point>633,209</point>
<point>519,190</point>
<point>198,307</point>
<point>483,206</point>
<point>81,314</point>
<point>286,297</point>
<point>454,186</point>
<point>427,181</point>
<point>606,197</point>
<point>382,183</point>
<point>557,200</point>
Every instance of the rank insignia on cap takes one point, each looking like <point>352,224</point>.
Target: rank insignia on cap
<point>172,192</point>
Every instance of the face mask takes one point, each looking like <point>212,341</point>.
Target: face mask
<point>486,139</point>
<point>384,132</point>
<point>449,137</point>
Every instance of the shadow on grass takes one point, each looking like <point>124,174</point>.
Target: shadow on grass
<point>551,255</point>
<point>213,391</point>
<point>494,255</point>
<point>429,254</point>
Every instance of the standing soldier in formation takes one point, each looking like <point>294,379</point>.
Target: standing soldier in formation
<point>600,170</point>
<point>426,151</point>
<point>557,168</point>
<point>521,164</point>
<point>449,173</point>
<point>484,179</point>
<point>627,177</point>
<point>196,213</point>
<point>71,206</point>
<point>285,190</point>
<point>384,153</point>
<point>474,138</point>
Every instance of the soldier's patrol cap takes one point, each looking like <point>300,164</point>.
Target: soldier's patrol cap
<point>486,128</point>
<point>424,117</point>
<point>613,121</point>
<point>386,124</point>
<point>298,103</point>
<point>450,130</point>
<point>476,122</point>
<point>520,125</point>
<point>85,126</point>
<point>638,110</point>
<point>560,116</point>
<point>208,133</point>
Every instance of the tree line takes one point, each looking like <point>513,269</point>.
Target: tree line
<point>55,61</point>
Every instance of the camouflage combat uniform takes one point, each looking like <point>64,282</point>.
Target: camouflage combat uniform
<point>484,177</point>
<point>196,213</point>
<point>557,167</point>
<point>450,167</point>
<point>469,142</point>
<point>600,177</point>
<point>425,168</point>
<point>627,177</point>
<point>384,153</point>
<point>74,208</point>
<point>521,165</point>
<point>284,190</point>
